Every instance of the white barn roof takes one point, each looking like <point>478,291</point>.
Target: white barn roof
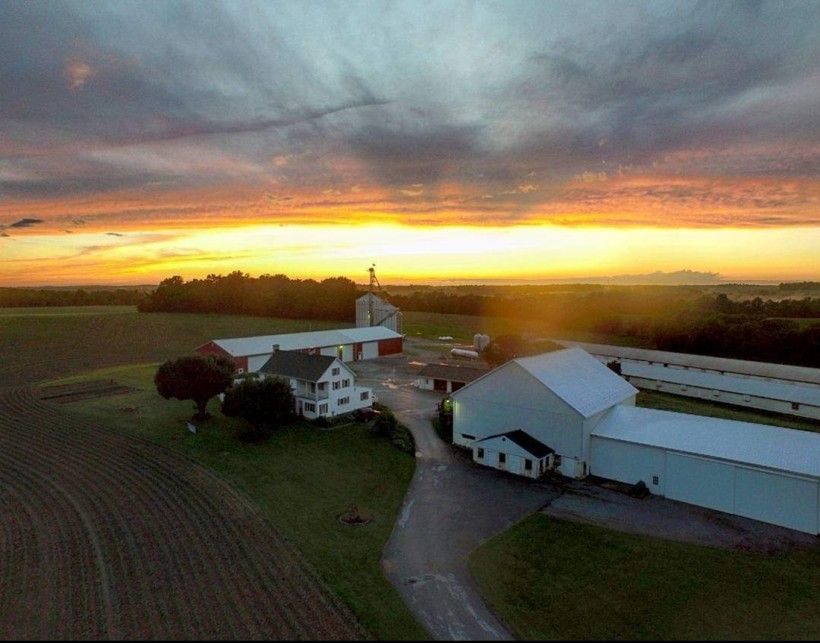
<point>261,345</point>
<point>742,367</point>
<point>773,390</point>
<point>770,447</point>
<point>579,379</point>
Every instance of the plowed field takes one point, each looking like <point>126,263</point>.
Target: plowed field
<point>102,536</point>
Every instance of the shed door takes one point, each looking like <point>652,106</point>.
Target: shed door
<point>700,481</point>
<point>440,385</point>
<point>777,498</point>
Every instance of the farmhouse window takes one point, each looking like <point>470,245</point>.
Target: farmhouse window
<point>311,408</point>
<point>323,408</point>
<point>527,465</point>
<point>502,458</point>
<point>345,383</point>
<point>480,454</point>
<point>364,396</point>
<point>335,386</point>
<point>344,400</point>
<point>335,371</point>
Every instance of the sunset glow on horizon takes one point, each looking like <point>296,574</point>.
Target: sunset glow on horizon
<point>471,140</point>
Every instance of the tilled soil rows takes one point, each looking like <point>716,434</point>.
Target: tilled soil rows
<point>102,536</point>
<point>68,393</point>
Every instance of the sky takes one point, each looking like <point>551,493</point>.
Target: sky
<point>468,140</point>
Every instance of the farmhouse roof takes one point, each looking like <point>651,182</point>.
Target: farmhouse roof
<point>737,366</point>
<point>756,444</point>
<point>298,365</point>
<point>452,372</point>
<point>524,440</point>
<point>578,379</point>
<point>263,344</point>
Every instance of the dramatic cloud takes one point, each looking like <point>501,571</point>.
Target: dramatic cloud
<point>139,116</point>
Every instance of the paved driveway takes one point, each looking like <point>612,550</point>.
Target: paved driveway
<point>452,506</point>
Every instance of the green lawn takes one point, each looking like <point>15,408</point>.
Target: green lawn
<point>45,343</point>
<point>668,402</point>
<point>463,327</point>
<point>302,478</point>
<point>552,579</point>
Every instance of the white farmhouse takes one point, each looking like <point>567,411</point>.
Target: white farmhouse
<point>566,410</point>
<point>323,386</point>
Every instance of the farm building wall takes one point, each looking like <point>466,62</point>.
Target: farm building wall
<point>771,496</point>
<point>391,346</point>
<point>514,399</point>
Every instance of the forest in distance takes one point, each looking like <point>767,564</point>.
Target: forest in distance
<point>778,323</point>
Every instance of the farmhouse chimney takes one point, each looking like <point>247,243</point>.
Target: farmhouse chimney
<point>276,348</point>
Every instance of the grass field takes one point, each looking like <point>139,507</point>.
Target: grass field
<point>45,343</point>
<point>668,402</point>
<point>463,327</point>
<point>302,479</point>
<point>552,579</point>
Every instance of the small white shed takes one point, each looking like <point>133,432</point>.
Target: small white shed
<point>515,451</point>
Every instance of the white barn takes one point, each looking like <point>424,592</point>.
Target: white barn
<point>557,398</point>
<point>372,310</point>
<point>580,417</point>
<point>762,472</point>
<point>348,344</point>
<point>322,385</point>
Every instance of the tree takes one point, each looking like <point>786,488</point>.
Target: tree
<point>266,404</point>
<point>195,377</point>
<point>504,348</point>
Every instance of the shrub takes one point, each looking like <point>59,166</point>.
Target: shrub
<point>265,404</point>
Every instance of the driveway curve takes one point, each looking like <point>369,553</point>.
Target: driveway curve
<point>451,507</point>
<point>104,537</point>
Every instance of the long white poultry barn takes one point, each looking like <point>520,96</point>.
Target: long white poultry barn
<point>566,410</point>
<point>348,344</point>
<point>780,388</point>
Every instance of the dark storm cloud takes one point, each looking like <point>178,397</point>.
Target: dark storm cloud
<point>25,223</point>
<point>103,96</point>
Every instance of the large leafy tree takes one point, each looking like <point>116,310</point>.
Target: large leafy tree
<point>195,377</point>
<point>266,404</point>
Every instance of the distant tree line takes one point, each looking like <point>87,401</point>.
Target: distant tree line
<point>674,319</point>
<point>22,297</point>
<point>267,296</point>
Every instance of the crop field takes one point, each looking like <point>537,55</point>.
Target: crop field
<point>551,579</point>
<point>301,479</point>
<point>103,536</point>
<point>45,343</point>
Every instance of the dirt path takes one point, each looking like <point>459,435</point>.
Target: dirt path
<point>451,507</point>
<point>105,537</point>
